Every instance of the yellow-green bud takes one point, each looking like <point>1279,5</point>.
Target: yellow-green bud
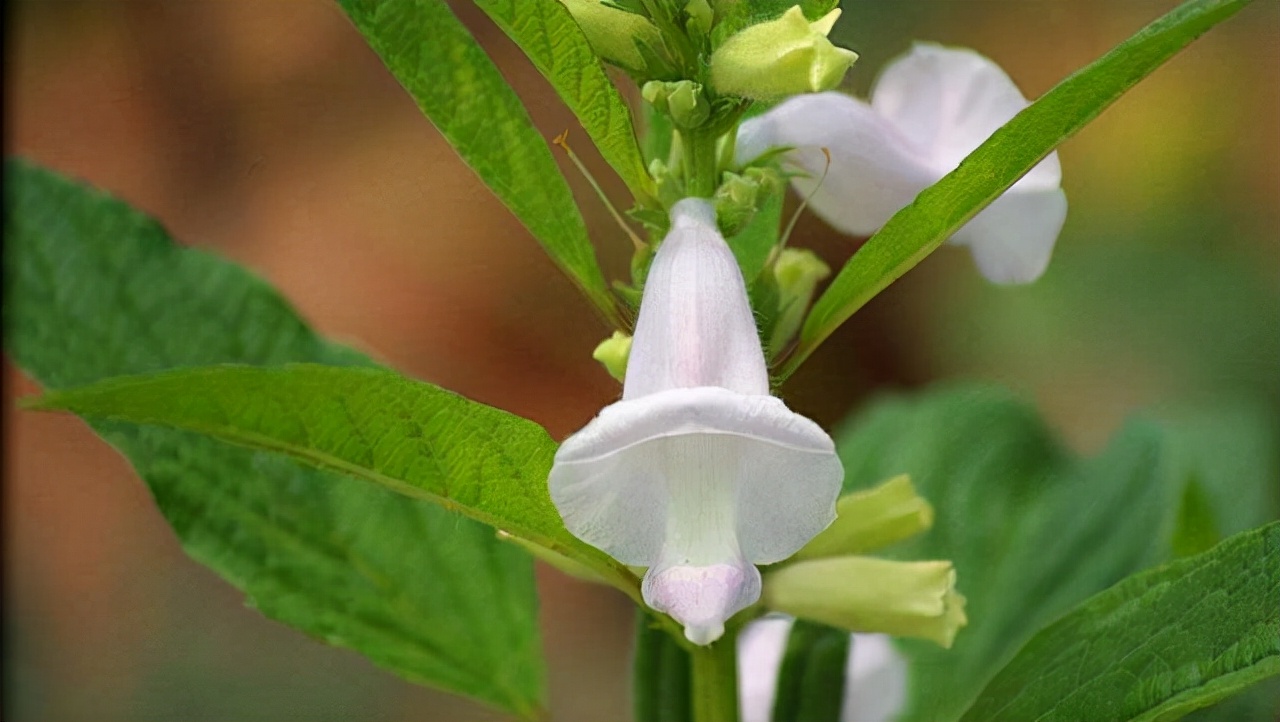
<point>683,100</point>
<point>873,518</point>
<point>700,14</point>
<point>737,200</point>
<point>612,353</point>
<point>615,34</point>
<point>796,272</point>
<point>781,57</point>
<point>670,188</point>
<point>863,594</point>
<point>769,179</point>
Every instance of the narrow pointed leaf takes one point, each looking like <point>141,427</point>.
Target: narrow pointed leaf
<point>373,424</point>
<point>458,88</point>
<point>1154,647</point>
<point>95,289</point>
<point>548,34</point>
<point>940,210</point>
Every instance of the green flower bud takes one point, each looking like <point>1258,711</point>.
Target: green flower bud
<point>781,57</point>
<point>797,272</point>
<point>612,353</point>
<point>737,200</point>
<point>700,15</point>
<point>616,35</point>
<point>871,519</point>
<point>670,187</point>
<point>769,179</point>
<point>863,594</point>
<point>683,100</point>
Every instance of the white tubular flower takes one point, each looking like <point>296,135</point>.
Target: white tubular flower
<point>928,110</point>
<point>697,473</point>
<point>875,686</point>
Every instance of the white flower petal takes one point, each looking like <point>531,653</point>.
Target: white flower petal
<point>948,101</point>
<point>697,473</point>
<point>1012,239</point>
<point>760,649</point>
<point>695,326</point>
<point>875,170</point>
<point>688,464</point>
<point>702,597</point>
<point>928,111</point>
<point>875,688</point>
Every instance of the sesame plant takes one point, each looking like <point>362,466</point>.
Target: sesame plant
<point>938,557</point>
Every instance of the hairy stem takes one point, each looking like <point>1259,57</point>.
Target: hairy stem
<point>700,164</point>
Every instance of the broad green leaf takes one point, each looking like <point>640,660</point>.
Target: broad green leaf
<point>548,34</point>
<point>463,94</point>
<point>1197,528</point>
<point>1031,529</point>
<point>95,289</point>
<point>373,424</point>
<point>1154,647</point>
<point>1232,451</point>
<point>940,210</point>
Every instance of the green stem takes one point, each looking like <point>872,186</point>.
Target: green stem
<point>700,164</point>
<point>661,674</point>
<point>715,681</point>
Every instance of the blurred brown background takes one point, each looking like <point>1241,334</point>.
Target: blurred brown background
<point>265,129</point>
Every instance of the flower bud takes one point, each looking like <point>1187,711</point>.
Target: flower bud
<point>669,184</point>
<point>781,57</point>
<point>737,200</point>
<point>862,594</point>
<point>612,353</point>
<point>616,35</point>
<point>796,272</point>
<point>683,100</point>
<point>701,16</point>
<point>769,179</point>
<point>872,518</point>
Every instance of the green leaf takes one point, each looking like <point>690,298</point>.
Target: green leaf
<point>812,674</point>
<point>1260,702</point>
<point>459,89</point>
<point>96,289</point>
<point>1031,529</point>
<point>1154,647</point>
<point>658,134</point>
<point>548,34</point>
<point>752,245</point>
<point>940,210</point>
<point>1197,528</point>
<point>373,424</point>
